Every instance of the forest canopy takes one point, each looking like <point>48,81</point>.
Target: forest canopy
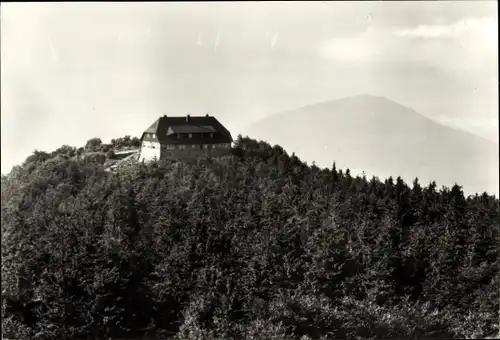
<point>258,245</point>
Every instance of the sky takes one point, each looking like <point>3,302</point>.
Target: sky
<point>73,71</point>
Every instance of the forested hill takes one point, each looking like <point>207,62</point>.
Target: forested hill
<point>259,245</point>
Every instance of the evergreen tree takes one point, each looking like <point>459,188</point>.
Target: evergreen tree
<point>261,245</point>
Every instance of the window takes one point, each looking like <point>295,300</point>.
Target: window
<point>193,146</point>
<point>170,146</point>
<point>154,136</point>
<point>213,146</point>
<point>190,135</point>
<point>205,146</point>
<point>211,135</point>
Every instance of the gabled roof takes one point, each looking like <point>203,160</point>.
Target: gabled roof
<point>166,129</point>
<point>188,129</point>
<point>153,127</point>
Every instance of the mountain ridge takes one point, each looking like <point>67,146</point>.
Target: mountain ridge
<point>373,97</point>
<point>383,138</point>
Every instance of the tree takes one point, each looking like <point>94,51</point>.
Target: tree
<point>263,244</point>
<point>126,142</point>
<point>93,144</point>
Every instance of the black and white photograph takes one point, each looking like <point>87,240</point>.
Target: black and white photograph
<point>262,170</point>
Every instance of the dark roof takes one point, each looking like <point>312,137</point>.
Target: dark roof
<point>188,129</point>
<point>166,129</point>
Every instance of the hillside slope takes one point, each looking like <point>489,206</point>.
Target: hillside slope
<point>383,138</point>
<point>255,246</point>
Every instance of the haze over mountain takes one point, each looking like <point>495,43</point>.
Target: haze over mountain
<point>383,138</point>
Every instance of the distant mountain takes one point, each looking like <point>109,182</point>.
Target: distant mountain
<point>383,138</point>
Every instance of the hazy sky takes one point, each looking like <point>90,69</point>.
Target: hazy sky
<point>72,71</point>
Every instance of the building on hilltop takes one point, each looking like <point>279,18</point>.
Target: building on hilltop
<point>185,138</point>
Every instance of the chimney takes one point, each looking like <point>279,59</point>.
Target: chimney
<point>187,118</point>
<point>207,115</point>
<point>164,116</point>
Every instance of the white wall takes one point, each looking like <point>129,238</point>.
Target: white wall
<point>150,151</point>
